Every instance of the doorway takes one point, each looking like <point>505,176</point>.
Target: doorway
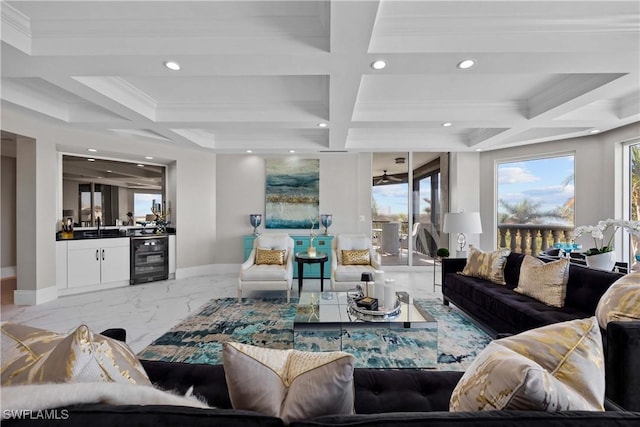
<point>407,206</point>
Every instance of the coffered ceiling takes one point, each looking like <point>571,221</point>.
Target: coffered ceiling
<point>262,75</point>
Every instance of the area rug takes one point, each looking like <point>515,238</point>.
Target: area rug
<point>269,323</point>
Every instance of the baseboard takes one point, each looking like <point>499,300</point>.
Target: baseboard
<point>8,272</point>
<point>35,297</point>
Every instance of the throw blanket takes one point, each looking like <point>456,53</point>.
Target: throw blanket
<point>48,396</point>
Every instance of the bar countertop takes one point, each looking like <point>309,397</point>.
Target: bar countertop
<point>83,233</point>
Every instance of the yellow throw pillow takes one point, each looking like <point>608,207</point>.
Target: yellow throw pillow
<point>356,257</point>
<point>270,256</point>
<point>621,301</point>
<point>546,282</point>
<point>559,367</point>
<point>486,265</point>
<point>82,356</point>
<point>289,384</point>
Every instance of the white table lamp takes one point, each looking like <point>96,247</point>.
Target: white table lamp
<point>461,223</point>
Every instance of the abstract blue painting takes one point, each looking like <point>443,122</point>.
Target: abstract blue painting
<point>292,193</point>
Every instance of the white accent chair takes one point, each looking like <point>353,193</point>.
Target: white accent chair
<point>265,276</point>
<point>345,277</point>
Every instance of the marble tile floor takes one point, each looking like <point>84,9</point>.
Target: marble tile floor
<point>149,310</point>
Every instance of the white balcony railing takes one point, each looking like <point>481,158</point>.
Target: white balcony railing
<point>532,238</point>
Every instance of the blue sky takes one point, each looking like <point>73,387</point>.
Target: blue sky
<point>392,199</point>
<point>142,203</point>
<point>539,180</point>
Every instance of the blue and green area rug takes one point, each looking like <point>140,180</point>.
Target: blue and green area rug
<point>269,323</point>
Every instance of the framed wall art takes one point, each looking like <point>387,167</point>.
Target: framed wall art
<point>292,193</point>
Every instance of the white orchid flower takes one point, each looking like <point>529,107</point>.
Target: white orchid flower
<point>598,233</point>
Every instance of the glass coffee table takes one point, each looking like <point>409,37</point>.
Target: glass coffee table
<point>326,321</point>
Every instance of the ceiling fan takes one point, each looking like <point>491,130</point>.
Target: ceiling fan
<point>385,179</point>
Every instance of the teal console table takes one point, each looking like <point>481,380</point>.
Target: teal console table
<point>301,243</point>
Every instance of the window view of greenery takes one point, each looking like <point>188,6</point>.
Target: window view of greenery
<point>535,203</point>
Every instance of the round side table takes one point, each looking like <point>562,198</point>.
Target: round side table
<point>303,258</point>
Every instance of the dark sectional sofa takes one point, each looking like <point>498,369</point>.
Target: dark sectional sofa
<point>405,397</point>
<point>499,310</point>
<point>382,398</point>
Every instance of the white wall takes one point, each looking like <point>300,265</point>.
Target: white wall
<point>464,191</point>
<point>598,168</point>
<point>345,192</point>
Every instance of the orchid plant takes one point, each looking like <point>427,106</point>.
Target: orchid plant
<point>598,233</point>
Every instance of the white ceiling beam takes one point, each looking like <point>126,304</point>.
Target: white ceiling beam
<point>351,28</point>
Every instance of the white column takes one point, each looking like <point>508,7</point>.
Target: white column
<point>36,219</point>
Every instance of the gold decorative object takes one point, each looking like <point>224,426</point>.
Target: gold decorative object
<point>162,212</point>
<point>311,250</point>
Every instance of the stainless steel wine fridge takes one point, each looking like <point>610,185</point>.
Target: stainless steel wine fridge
<point>149,259</point>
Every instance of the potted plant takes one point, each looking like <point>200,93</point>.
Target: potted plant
<point>602,255</point>
<point>442,253</point>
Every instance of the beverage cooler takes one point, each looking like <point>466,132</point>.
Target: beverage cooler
<point>149,259</point>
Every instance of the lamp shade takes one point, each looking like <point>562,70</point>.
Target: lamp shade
<point>366,277</point>
<point>462,222</point>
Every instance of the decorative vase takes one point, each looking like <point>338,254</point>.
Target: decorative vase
<point>255,220</point>
<point>326,220</point>
<point>604,261</point>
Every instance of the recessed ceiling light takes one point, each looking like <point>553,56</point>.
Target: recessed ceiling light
<point>91,160</point>
<point>148,157</point>
<point>249,151</point>
<point>140,165</point>
<point>466,63</point>
<point>99,177</point>
<point>379,64</point>
<point>172,65</point>
<point>594,131</point>
<point>109,170</point>
<point>292,151</point>
<point>447,124</point>
<point>478,149</point>
<point>322,125</point>
<point>93,150</point>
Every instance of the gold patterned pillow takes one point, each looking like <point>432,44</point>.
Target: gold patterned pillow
<point>270,256</point>
<point>289,384</point>
<point>486,265</point>
<point>546,282</point>
<point>621,301</point>
<point>356,257</point>
<point>82,356</point>
<point>559,367</point>
<point>22,346</point>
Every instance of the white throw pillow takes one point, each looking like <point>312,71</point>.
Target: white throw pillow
<point>289,384</point>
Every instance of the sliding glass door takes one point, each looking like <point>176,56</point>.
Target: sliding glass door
<point>406,207</point>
